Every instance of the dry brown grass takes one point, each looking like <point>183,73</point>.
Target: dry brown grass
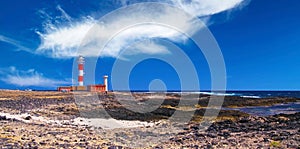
<point>16,94</point>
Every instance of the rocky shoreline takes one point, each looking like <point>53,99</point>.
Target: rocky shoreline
<point>278,131</point>
<point>52,120</point>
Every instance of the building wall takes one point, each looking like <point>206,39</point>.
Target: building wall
<point>91,88</point>
<point>64,88</point>
<point>96,88</point>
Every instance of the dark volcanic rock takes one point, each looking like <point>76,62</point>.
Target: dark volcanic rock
<point>248,132</point>
<point>3,118</point>
<point>27,118</point>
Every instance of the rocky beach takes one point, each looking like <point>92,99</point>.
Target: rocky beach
<point>40,119</point>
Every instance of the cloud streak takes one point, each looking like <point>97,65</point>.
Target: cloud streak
<point>62,41</point>
<point>202,8</point>
<point>28,78</point>
<point>198,8</point>
<point>15,43</point>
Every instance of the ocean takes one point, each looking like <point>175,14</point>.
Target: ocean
<point>288,108</point>
<point>265,94</point>
<point>268,110</point>
<point>251,94</point>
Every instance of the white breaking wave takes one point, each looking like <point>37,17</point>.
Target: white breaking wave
<point>250,96</point>
<point>218,94</point>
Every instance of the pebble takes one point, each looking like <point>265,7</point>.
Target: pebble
<point>3,118</point>
<point>27,118</point>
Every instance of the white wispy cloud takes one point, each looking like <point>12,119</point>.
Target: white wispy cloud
<point>64,14</point>
<point>147,46</point>
<point>198,8</point>
<point>202,8</point>
<point>29,77</point>
<point>15,43</point>
<point>62,41</point>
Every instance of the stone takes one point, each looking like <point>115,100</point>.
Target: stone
<point>211,135</point>
<point>266,140</point>
<point>3,118</point>
<point>28,118</point>
<point>209,146</point>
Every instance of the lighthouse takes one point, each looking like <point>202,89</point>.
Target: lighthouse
<point>81,87</point>
<point>80,70</point>
<point>105,82</point>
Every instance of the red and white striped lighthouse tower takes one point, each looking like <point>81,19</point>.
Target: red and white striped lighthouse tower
<point>80,70</point>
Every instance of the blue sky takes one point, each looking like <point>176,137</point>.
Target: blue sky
<point>259,40</point>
